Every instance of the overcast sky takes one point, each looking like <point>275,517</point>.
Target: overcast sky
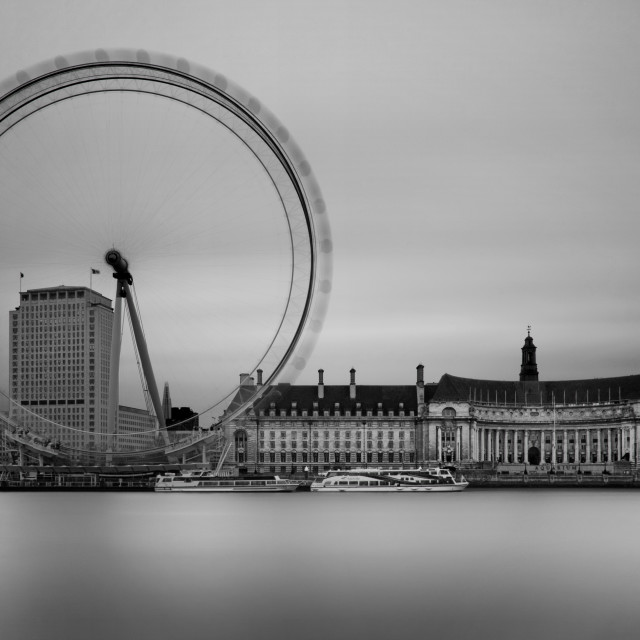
<point>480,162</point>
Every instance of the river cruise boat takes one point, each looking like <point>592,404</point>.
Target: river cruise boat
<point>365,480</point>
<point>206,482</point>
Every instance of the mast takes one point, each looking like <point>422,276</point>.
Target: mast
<point>121,273</point>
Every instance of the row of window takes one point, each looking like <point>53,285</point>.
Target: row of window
<point>328,457</point>
<point>51,295</point>
<point>560,440</point>
<point>380,413</point>
<point>315,444</point>
<point>337,434</point>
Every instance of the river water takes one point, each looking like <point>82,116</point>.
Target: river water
<point>494,563</point>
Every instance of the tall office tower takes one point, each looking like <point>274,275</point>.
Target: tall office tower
<point>59,364</point>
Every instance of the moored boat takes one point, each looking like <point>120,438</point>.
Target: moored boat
<point>439,479</point>
<point>207,482</point>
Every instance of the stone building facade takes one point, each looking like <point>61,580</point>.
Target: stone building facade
<point>571,424</point>
<point>294,428</point>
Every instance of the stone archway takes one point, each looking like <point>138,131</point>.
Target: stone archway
<point>533,456</point>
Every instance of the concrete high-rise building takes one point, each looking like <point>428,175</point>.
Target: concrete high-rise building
<point>60,341</point>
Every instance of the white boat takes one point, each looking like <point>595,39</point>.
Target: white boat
<point>366,480</point>
<point>207,482</point>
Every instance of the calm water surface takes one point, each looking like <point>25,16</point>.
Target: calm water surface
<point>496,564</point>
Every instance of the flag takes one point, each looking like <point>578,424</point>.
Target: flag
<point>94,271</point>
<point>21,274</point>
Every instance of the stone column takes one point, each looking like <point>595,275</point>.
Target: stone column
<point>438,442</point>
<point>505,445</point>
<point>565,446</point>
<point>496,451</point>
<point>622,442</point>
<point>632,440</point>
<point>599,453</point>
<point>609,446</point>
<point>587,436</point>
<point>542,458</point>
<point>525,445</point>
<point>473,443</point>
<point>481,435</point>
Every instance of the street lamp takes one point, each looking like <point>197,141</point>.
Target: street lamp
<point>364,439</point>
<point>255,466</point>
<point>309,448</point>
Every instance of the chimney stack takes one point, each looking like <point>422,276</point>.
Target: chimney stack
<point>420,386</point>
<point>320,383</point>
<point>259,372</point>
<point>352,385</point>
<point>246,380</point>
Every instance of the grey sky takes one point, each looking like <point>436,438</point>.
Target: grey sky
<point>480,162</point>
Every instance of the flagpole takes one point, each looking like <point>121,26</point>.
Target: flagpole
<point>91,272</point>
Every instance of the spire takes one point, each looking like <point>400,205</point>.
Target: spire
<point>166,402</point>
<point>528,368</point>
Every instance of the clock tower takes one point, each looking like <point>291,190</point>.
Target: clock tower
<point>529,368</point>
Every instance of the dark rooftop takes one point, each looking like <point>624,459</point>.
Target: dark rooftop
<point>451,388</point>
<point>367,398</point>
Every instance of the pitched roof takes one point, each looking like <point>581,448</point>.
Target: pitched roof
<point>367,398</point>
<point>452,388</point>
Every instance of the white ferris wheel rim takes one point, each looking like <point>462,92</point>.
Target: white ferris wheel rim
<point>46,78</point>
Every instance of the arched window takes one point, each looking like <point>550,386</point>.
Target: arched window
<point>240,441</point>
<point>449,412</point>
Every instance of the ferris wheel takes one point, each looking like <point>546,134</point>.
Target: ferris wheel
<point>192,195</point>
